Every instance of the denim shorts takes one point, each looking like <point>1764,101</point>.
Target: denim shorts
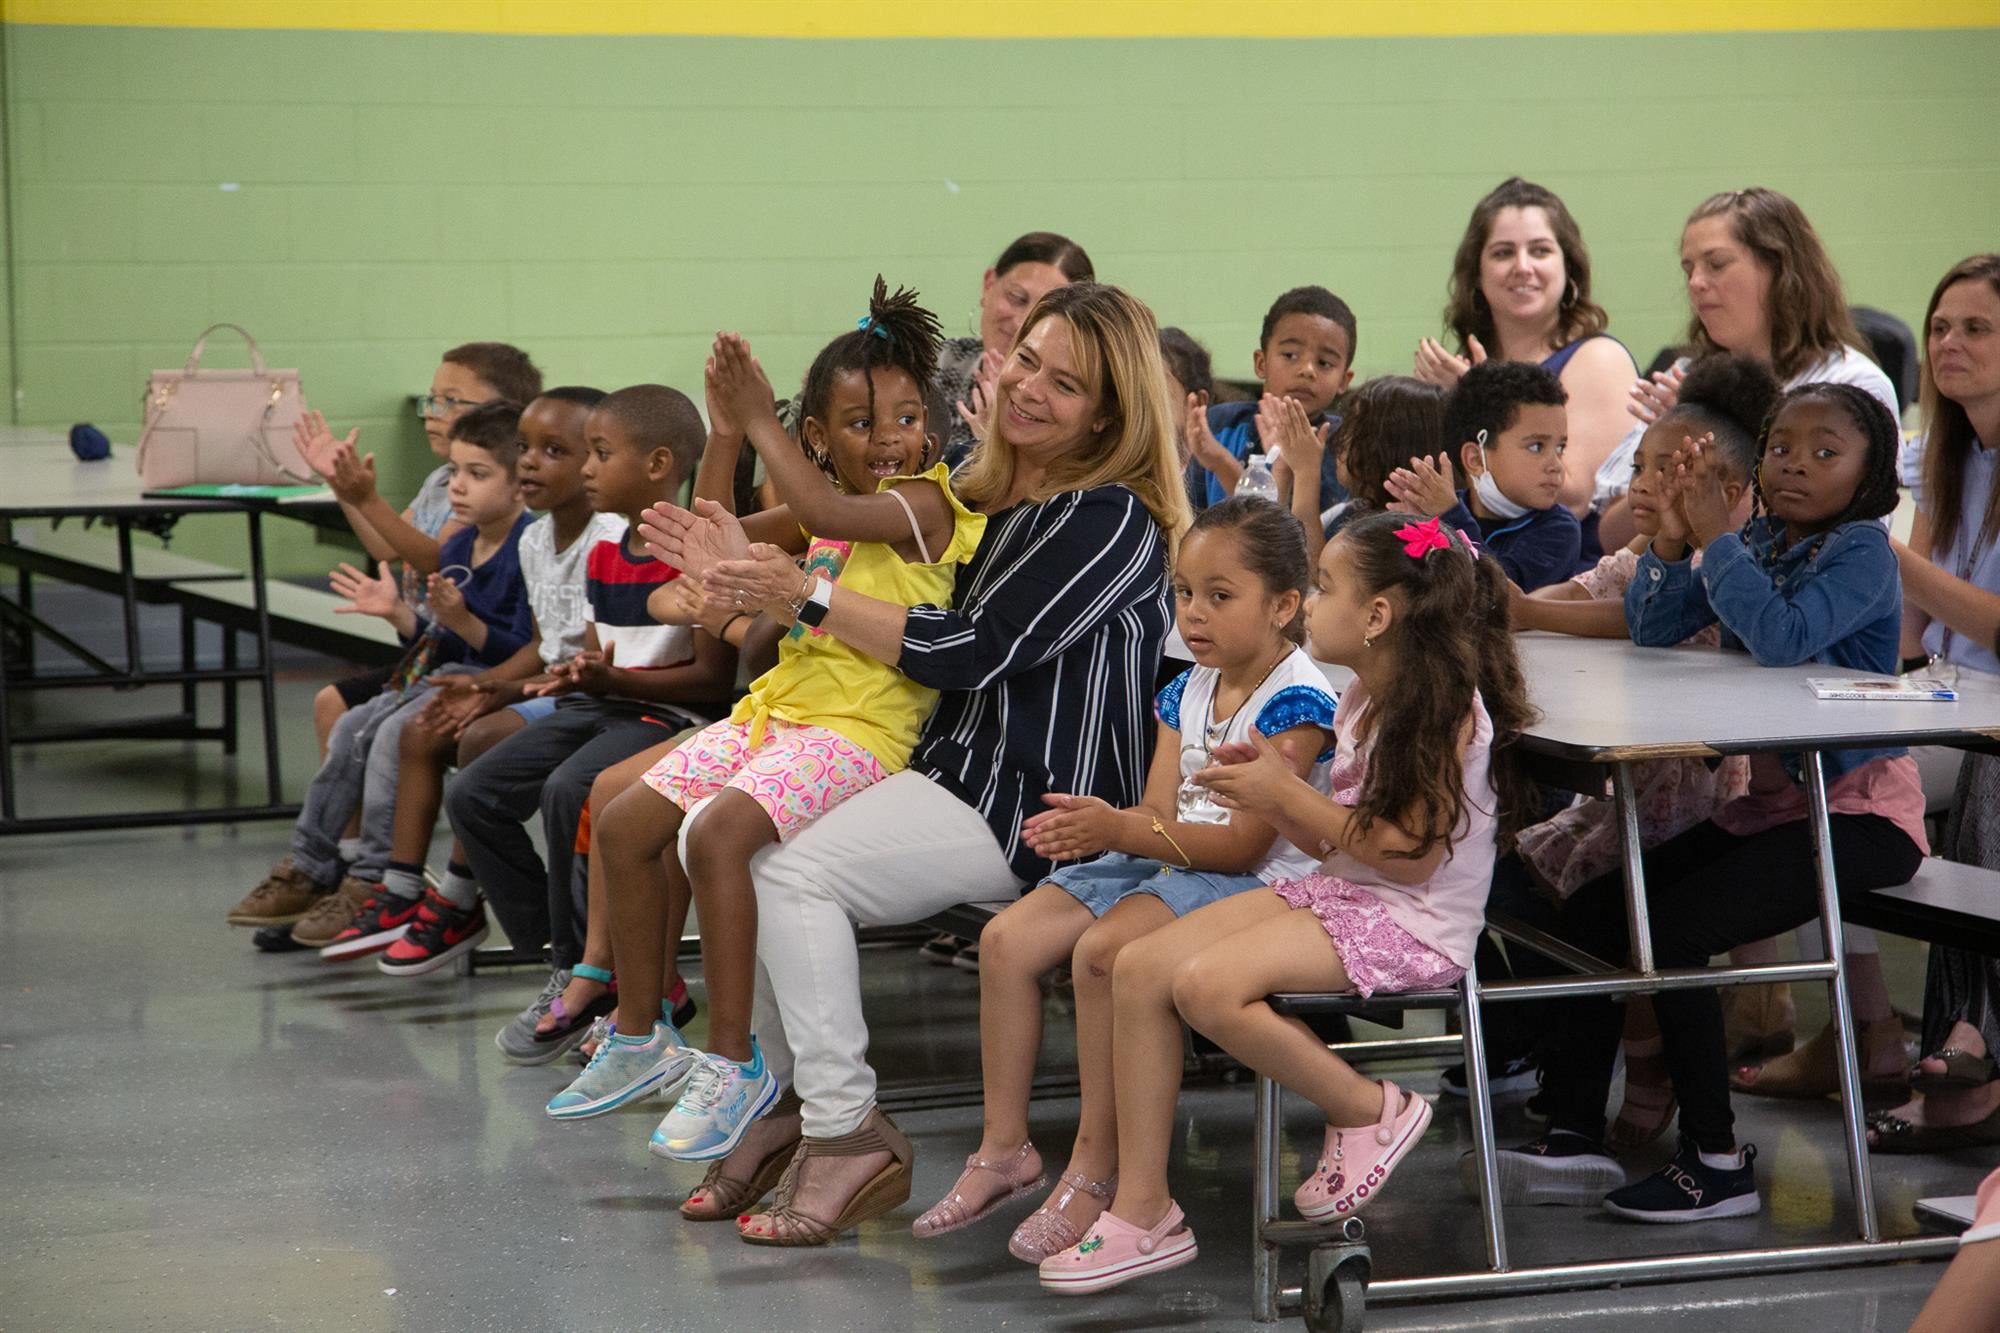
<point>1101,884</point>
<point>534,710</point>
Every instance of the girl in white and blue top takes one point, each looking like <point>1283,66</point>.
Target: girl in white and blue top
<point>1239,587</point>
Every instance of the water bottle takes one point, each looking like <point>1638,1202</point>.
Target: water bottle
<point>1257,479</point>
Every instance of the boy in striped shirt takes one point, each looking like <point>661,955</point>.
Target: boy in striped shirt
<point>636,683</point>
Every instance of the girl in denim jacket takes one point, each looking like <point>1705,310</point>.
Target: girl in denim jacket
<point>1810,578</point>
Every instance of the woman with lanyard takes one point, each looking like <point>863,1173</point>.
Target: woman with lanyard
<point>1951,597</point>
<point>1520,291</point>
<point>1032,265</point>
<point>1045,663</point>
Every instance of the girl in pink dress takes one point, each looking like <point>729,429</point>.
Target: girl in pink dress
<point>1423,792</point>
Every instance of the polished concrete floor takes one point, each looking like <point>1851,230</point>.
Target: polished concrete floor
<point>202,1137</point>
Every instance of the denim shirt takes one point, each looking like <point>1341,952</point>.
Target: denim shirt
<point>1841,605</point>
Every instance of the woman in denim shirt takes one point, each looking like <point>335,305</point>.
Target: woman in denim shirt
<point>1810,578</point>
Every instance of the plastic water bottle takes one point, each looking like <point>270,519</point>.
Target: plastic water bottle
<point>1257,479</point>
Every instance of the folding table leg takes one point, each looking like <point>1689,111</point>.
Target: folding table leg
<point>1485,1145</point>
<point>1264,1207</point>
<point>1847,1051</point>
<point>1637,910</point>
<point>267,670</point>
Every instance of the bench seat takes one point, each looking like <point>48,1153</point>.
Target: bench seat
<point>302,616</point>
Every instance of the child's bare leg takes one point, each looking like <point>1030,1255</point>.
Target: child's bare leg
<point>727,833</point>
<point>486,732</point>
<point>424,755</point>
<point>638,826</point>
<point>1016,948</point>
<point>679,898</point>
<point>1221,990</point>
<point>1095,1152</point>
<point>327,708</point>
<point>1146,984</point>
<point>582,990</point>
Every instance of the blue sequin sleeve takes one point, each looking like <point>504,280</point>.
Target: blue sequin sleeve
<point>1168,702</point>
<point>1299,706</point>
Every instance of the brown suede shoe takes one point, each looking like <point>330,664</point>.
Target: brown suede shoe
<point>332,913</point>
<point>284,896</point>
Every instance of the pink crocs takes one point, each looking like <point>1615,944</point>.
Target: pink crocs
<point>1356,1162</point>
<point>1114,1251</point>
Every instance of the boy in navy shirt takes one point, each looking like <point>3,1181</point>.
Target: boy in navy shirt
<point>480,618</point>
<point>1507,421</point>
<point>1305,352</point>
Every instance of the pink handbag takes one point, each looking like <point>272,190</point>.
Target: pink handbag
<point>222,427</point>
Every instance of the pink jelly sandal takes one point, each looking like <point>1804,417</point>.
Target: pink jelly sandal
<point>1114,1252</point>
<point>1355,1162</point>
<point>1049,1230</point>
<point>957,1209</point>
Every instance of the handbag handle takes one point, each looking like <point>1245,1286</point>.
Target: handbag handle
<point>194,357</point>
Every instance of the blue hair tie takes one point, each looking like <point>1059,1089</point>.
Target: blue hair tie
<point>867,324</point>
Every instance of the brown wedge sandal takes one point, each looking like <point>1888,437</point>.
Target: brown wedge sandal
<point>725,1197</point>
<point>886,1191</point>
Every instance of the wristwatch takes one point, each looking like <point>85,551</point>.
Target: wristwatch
<point>817,603</point>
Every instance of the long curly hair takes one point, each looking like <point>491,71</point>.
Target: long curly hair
<point>1450,637</point>
<point>1948,433</point>
<point>1806,305</point>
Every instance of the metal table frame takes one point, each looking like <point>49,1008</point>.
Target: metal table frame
<point>97,492</point>
<point>1893,724</point>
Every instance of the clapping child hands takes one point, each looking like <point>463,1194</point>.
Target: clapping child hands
<point>1074,828</point>
<point>1424,488</point>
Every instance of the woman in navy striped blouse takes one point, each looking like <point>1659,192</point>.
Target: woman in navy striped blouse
<point>1045,663</point>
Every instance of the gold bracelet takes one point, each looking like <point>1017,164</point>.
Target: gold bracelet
<point>1187,862</point>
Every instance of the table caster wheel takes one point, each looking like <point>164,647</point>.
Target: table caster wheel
<point>1337,1274</point>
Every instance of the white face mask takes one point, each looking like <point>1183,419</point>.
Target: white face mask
<point>1488,490</point>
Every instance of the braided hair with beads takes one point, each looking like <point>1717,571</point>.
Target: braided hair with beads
<point>895,333</point>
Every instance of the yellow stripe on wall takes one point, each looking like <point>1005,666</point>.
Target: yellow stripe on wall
<point>1022,18</point>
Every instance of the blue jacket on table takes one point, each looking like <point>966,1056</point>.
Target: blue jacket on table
<point>1836,599</point>
<point>1536,549</point>
<point>1234,426</point>
<point>495,592</point>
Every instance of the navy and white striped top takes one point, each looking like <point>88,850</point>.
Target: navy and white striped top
<point>1046,661</point>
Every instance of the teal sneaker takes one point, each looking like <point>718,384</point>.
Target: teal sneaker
<point>723,1099</point>
<point>623,1071</point>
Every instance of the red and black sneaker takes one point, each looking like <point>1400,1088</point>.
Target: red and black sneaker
<point>382,921</point>
<point>440,933</point>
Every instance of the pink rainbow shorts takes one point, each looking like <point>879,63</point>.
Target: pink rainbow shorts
<point>795,774</point>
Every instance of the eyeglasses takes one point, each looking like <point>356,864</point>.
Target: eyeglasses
<point>444,405</point>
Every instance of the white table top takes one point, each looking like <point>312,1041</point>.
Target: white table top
<point>1604,700</point>
<point>38,481</point>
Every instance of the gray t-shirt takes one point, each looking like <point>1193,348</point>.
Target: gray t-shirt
<point>555,581</point>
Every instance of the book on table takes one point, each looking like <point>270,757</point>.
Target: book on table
<point>1901,689</point>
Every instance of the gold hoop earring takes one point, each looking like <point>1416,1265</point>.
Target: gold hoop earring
<point>1570,295</point>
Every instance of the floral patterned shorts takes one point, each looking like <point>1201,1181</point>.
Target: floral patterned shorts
<point>795,774</point>
<point>1378,954</point>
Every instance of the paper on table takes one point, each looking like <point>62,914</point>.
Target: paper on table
<point>1902,689</point>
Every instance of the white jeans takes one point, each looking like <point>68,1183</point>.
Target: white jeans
<point>900,851</point>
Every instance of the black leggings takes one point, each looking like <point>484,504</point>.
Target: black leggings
<point>1708,891</point>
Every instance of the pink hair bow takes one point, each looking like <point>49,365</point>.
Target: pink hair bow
<point>1420,539</point>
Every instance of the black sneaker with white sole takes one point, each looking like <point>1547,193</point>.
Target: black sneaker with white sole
<point>1558,1168</point>
<point>1517,1075</point>
<point>1688,1189</point>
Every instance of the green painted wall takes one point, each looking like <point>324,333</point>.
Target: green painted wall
<point>362,200</point>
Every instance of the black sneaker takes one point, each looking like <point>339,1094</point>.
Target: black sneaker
<point>940,948</point>
<point>275,939</point>
<point>1559,1168</point>
<point>1516,1075</point>
<point>1687,1189</point>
